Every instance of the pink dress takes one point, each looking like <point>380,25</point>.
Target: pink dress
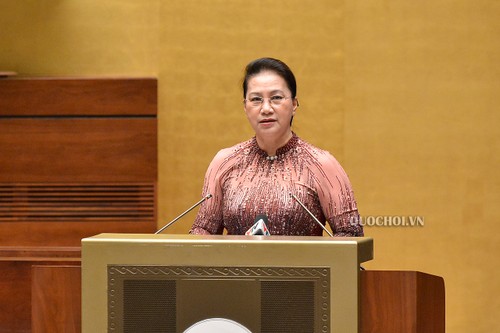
<point>244,183</point>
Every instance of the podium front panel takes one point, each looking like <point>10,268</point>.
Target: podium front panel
<point>167,283</point>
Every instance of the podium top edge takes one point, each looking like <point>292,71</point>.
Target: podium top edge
<point>123,237</point>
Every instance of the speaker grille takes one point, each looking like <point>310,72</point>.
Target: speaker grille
<point>287,306</point>
<point>264,299</point>
<point>149,306</point>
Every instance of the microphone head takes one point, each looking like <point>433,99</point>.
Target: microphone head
<point>258,232</point>
<point>259,227</point>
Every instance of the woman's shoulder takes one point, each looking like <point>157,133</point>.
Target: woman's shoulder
<point>324,164</point>
<point>235,150</point>
<point>319,154</point>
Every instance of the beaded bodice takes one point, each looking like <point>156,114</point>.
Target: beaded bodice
<point>245,183</point>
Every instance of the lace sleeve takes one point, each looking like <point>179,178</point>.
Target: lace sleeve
<point>337,198</point>
<point>209,219</point>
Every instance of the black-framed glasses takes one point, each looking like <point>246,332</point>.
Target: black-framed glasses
<point>258,101</point>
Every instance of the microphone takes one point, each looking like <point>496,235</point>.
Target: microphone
<point>311,214</point>
<point>208,196</point>
<point>259,227</point>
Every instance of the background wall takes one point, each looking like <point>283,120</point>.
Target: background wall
<point>404,94</point>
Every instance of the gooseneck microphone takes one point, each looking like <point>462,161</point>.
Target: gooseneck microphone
<point>208,196</point>
<point>311,214</point>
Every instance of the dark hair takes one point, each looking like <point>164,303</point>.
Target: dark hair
<point>273,65</point>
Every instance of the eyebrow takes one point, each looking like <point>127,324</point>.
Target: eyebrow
<point>272,92</point>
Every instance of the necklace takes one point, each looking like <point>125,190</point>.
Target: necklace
<point>271,158</point>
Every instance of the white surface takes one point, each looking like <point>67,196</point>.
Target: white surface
<point>217,325</point>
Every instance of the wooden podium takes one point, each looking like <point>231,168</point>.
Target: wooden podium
<point>389,301</point>
<point>402,301</point>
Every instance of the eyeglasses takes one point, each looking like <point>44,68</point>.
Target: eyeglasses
<point>256,101</point>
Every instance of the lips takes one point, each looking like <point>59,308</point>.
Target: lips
<point>266,121</point>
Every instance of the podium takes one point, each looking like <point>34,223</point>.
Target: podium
<point>402,301</point>
<point>291,281</point>
<point>167,283</point>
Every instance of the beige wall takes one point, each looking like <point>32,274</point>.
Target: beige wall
<point>404,93</point>
<point>422,138</point>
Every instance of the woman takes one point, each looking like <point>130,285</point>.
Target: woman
<point>270,173</point>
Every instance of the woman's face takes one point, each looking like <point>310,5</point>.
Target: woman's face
<point>269,106</point>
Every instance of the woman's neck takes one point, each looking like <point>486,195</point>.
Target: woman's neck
<point>271,144</point>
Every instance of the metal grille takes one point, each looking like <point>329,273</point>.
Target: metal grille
<point>149,306</point>
<point>287,306</point>
<point>264,299</point>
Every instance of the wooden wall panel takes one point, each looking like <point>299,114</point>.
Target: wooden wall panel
<point>77,202</point>
<point>56,299</point>
<point>15,281</point>
<point>78,157</point>
<point>77,96</point>
<point>78,149</point>
<point>49,234</point>
<point>15,296</point>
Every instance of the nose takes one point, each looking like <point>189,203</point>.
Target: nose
<point>266,106</point>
